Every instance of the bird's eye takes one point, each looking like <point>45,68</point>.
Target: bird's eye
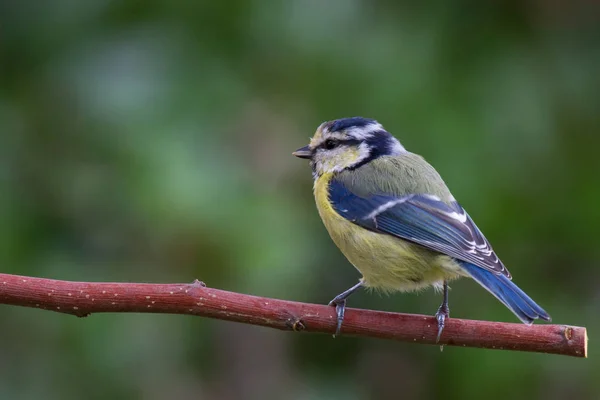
<point>330,144</point>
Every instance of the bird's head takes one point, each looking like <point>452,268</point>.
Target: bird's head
<point>348,143</point>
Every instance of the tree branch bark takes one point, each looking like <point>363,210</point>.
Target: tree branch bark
<point>84,298</point>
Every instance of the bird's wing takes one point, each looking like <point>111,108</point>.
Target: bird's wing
<point>419,218</point>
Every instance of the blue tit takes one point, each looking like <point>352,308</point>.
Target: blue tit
<point>395,220</point>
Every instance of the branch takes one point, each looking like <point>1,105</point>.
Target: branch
<point>84,298</point>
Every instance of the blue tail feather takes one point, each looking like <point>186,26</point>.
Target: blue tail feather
<point>508,293</point>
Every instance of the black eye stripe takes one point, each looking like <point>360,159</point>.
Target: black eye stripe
<point>330,144</point>
<point>338,142</point>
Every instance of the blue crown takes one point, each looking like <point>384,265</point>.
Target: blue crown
<point>345,123</point>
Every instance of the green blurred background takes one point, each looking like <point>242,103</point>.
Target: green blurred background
<point>151,141</point>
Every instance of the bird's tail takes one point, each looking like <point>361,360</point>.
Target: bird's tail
<point>508,293</point>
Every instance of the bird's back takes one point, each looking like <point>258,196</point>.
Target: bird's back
<point>400,175</point>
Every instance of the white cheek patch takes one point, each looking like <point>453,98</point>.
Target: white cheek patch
<point>340,158</point>
<point>364,151</point>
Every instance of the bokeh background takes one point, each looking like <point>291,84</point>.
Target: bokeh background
<point>151,141</point>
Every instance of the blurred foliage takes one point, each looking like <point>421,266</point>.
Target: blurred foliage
<point>151,141</point>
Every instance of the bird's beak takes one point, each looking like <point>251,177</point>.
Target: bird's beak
<point>303,152</point>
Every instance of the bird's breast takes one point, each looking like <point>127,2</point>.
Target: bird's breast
<point>386,262</point>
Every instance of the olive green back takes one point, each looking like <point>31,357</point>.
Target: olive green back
<point>396,175</point>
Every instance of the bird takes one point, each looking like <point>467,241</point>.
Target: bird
<point>393,217</point>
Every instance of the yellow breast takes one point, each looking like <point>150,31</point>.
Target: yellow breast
<point>386,262</point>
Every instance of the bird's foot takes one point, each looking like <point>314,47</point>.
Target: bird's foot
<point>442,313</point>
<point>340,309</point>
<point>339,302</point>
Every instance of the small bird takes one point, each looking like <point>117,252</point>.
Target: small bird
<point>395,220</point>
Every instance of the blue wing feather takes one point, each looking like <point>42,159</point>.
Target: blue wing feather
<point>422,219</point>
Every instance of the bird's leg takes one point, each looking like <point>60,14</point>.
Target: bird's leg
<point>339,302</point>
<point>442,313</point>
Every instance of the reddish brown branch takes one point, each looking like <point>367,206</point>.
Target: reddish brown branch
<point>84,298</point>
